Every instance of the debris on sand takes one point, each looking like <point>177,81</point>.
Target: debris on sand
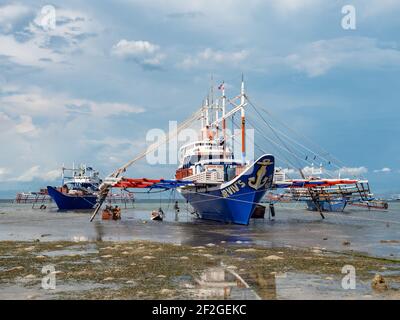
<point>19,268</point>
<point>246,250</point>
<point>148,257</point>
<point>231,267</point>
<point>272,257</point>
<point>379,283</point>
<point>108,279</point>
<point>167,292</point>
<point>198,247</point>
<point>45,235</point>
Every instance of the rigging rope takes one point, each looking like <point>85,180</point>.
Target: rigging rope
<point>156,145</point>
<point>326,153</point>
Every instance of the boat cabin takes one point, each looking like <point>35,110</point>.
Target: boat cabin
<point>208,161</point>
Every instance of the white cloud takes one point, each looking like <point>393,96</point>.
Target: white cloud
<point>33,102</point>
<point>383,170</point>
<point>29,174</point>
<point>283,6</point>
<point>318,57</point>
<point>375,8</point>
<point>134,48</point>
<point>40,131</point>
<point>52,175</point>
<point>49,47</point>
<point>72,26</point>
<point>25,126</point>
<point>34,173</point>
<point>143,51</point>
<point>26,53</point>
<point>351,171</point>
<point>11,13</point>
<point>3,171</point>
<point>210,56</point>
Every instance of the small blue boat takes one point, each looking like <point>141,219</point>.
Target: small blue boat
<point>79,189</point>
<point>337,205</point>
<point>72,201</point>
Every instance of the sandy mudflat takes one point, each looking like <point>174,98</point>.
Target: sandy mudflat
<point>150,270</point>
<point>296,256</point>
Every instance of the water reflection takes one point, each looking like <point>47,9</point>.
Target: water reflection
<point>224,283</point>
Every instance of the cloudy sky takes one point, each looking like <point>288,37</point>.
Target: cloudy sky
<point>88,89</point>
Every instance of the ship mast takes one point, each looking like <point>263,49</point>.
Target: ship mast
<point>223,118</point>
<point>239,103</point>
<point>242,103</point>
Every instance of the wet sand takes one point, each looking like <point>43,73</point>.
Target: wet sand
<point>138,258</point>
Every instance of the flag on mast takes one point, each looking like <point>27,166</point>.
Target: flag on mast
<point>221,86</point>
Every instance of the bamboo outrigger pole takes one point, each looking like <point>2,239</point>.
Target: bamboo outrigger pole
<point>114,177</point>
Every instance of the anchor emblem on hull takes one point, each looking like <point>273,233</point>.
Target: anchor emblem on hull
<point>260,179</point>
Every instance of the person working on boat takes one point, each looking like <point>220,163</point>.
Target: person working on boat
<point>116,213</point>
<point>176,207</point>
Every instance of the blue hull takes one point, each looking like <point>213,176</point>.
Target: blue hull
<point>329,206</point>
<point>234,201</point>
<point>71,202</point>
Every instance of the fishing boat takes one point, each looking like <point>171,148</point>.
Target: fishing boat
<point>323,194</point>
<point>218,184</point>
<point>79,189</point>
<point>225,188</point>
<point>157,215</point>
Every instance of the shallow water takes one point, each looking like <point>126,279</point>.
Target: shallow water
<point>292,226</point>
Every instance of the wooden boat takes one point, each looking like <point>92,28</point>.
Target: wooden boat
<point>110,213</point>
<point>374,204</point>
<point>157,215</point>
